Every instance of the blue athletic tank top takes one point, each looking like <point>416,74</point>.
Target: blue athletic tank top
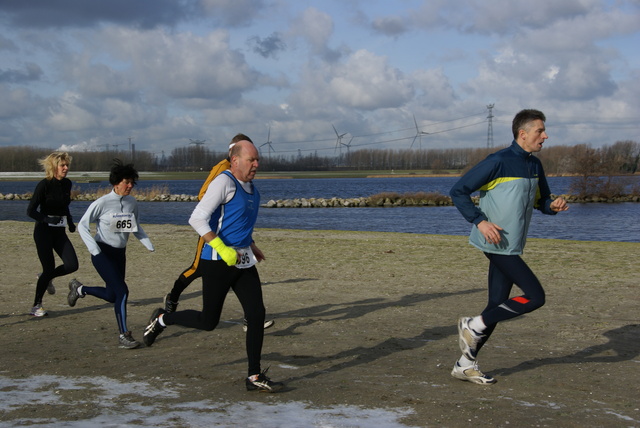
<point>233,221</point>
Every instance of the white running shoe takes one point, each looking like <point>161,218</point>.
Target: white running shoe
<point>472,374</point>
<point>468,339</point>
<point>38,311</point>
<point>267,324</point>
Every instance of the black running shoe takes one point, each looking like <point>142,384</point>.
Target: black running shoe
<point>263,384</point>
<point>154,328</point>
<point>74,295</point>
<point>169,306</point>
<point>127,341</point>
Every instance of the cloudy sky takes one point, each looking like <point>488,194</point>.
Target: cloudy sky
<point>90,74</point>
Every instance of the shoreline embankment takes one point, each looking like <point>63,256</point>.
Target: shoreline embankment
<point>380,200</point>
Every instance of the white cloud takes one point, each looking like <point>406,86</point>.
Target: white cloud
<point>435,89</point>
<point>317,29</point>
<point>70,115</point>
<point>15,102</point>
<point>390,25</point>
<point>184,65</point>
<point>234,12</point>
<point>83,146</point>
<point>368,82</point>
<point>501,15</point>
<point>211,68</point>
<point>552,72</point>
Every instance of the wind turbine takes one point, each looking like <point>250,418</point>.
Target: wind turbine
<point>419,133</point>
<point>339,143</point>
<point>268,143</point>
<point>348,145</point>
<point>197,143</point>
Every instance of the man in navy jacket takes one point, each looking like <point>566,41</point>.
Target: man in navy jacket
<point>511,184</point>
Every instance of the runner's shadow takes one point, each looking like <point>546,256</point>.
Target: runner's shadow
<point>362,355</point>
<point>359,355</point>
<point>289,281</point>
<point>329,312</point>
<point>52,313</point>
<point>356,309</point>
<point>623,343</point>
<point>157,302</point>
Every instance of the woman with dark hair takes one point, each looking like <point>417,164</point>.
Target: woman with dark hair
<point>49,207</point>
<point>116,217</point>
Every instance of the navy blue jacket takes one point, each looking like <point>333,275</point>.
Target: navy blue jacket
<point>511,182</point>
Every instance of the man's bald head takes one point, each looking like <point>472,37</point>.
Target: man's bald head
<point>244,160</point>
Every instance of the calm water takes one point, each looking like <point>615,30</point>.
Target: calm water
<point>590,222</point>
<point>299,188</point>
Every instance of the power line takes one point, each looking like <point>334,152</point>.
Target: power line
<point>490,128</point>
<point>386,141</point>
<point>430,133</point>
<point>381,133</point>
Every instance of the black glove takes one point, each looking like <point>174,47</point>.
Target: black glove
<point>72,227</point>
<point>53,219</point>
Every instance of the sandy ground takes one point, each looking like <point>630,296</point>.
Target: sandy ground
<point>362,319</point>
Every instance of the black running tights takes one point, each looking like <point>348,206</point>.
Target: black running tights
<point>504,272</point>
<point>49,239</point>
<point>217,279</point>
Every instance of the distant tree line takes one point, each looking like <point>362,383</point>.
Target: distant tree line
<point>25,159</point>
<point>621,158</point>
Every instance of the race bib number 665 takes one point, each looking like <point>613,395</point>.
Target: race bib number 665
<point>123,223</point>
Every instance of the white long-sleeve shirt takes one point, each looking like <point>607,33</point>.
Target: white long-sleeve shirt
<point>105,212</point>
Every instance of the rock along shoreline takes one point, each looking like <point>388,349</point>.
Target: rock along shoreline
<point>361,202</point>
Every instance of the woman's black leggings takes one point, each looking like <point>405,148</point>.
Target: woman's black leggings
<point>217,279</point>
<point>49,239</point>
